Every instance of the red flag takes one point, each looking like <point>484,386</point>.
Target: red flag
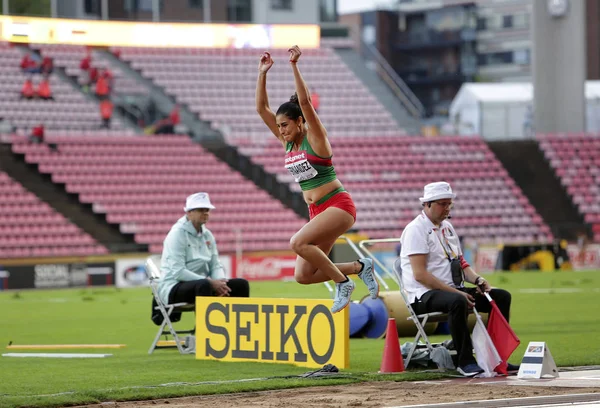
<point>503,336</point>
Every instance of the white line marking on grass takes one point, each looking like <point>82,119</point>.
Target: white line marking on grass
<point>550,290</point>
<point>138,387</point>
<point>48,395</point>
<point>179,384</point>
<point>56,355</point>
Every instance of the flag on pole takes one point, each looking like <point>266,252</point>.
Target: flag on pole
<point>503,336</point>
<point>485,352</point>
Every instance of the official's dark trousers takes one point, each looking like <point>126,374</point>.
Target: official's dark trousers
<point>187,291</point>
<point>456,306</point>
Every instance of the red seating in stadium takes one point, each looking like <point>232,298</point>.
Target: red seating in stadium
<point>71,110</point>
<point>386,175</point>
<point>69,57</point>
<point>576,161</point>
<point>29,227</point>
<point>141,183</point>
<point>219,85</point>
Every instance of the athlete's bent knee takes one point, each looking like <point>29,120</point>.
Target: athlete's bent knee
<point>297,244</point>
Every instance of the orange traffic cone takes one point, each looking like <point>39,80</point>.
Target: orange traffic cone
<point>392,356</point>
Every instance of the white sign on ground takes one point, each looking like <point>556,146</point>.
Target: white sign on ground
<point>537,362</point>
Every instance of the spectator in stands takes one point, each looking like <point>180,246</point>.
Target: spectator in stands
<point>27,91</point>
<point>108,77</point>
<point>332,211</point>
<point>92,77</point>
<point>102,88</point>
<point>434,272</point>
<point>44,91</point>
<point>86,69</point>
<point>190,259</point>
<point>165,125</point>
<point>174,116</point>
<point>106,110</point>
<point>30,64</point>
<point>47,66</point>
<point>315,99</point>
<point>86,62</point>
<point>37,134</point>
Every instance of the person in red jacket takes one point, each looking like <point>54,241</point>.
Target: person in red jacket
<point>27,91</point>
<point>37,134</point>
<point>102,88</point>
<point>92,76</point>
<point>174,116</point>
<point>28,64</point>
<point>44,91</point>
<point>109,77</point>
<point>47,66</point>
<point>106,110</point>
<point>86,62</point>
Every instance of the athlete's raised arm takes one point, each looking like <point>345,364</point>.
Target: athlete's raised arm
<point>262,99</point>
<point>317,132</point>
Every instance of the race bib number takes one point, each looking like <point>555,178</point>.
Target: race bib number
<point>298,166</point>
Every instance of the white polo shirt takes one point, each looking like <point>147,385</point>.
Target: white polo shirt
<point>421,236</point>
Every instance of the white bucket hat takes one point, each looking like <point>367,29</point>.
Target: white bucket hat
<point>198,200</point>
<point>437,191</point>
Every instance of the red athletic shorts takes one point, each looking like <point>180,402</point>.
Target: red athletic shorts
<point>341,200</point>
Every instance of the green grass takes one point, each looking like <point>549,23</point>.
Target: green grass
<point>564,317</point>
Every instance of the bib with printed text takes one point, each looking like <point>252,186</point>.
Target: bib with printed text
<point>299,167</point>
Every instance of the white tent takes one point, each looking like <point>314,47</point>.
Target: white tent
<point>505,110</point>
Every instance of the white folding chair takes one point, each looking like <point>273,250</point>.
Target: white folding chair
<point>419,320</point>
<point>154,274</point>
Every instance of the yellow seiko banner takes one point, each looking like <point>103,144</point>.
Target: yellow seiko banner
<point>144,34</point>
<point>297,331</point>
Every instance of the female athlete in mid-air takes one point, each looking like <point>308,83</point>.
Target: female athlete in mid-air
<point>331,209</point>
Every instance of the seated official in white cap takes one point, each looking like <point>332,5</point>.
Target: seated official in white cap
<point>434,272</point>
<point>190,260</point>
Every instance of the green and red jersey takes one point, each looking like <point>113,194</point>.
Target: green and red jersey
<point>308,169</point>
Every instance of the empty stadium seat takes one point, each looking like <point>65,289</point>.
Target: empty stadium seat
<point>144,193</point>
<point>30,227</point>
<point>575,159</point>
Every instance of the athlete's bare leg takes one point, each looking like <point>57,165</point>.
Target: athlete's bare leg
<point>313,243</point>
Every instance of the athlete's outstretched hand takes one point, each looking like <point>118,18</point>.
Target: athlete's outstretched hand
<point>294,53</point>
<point>266,62</point>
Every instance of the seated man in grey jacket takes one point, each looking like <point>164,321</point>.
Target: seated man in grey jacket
<point>190,260</point>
